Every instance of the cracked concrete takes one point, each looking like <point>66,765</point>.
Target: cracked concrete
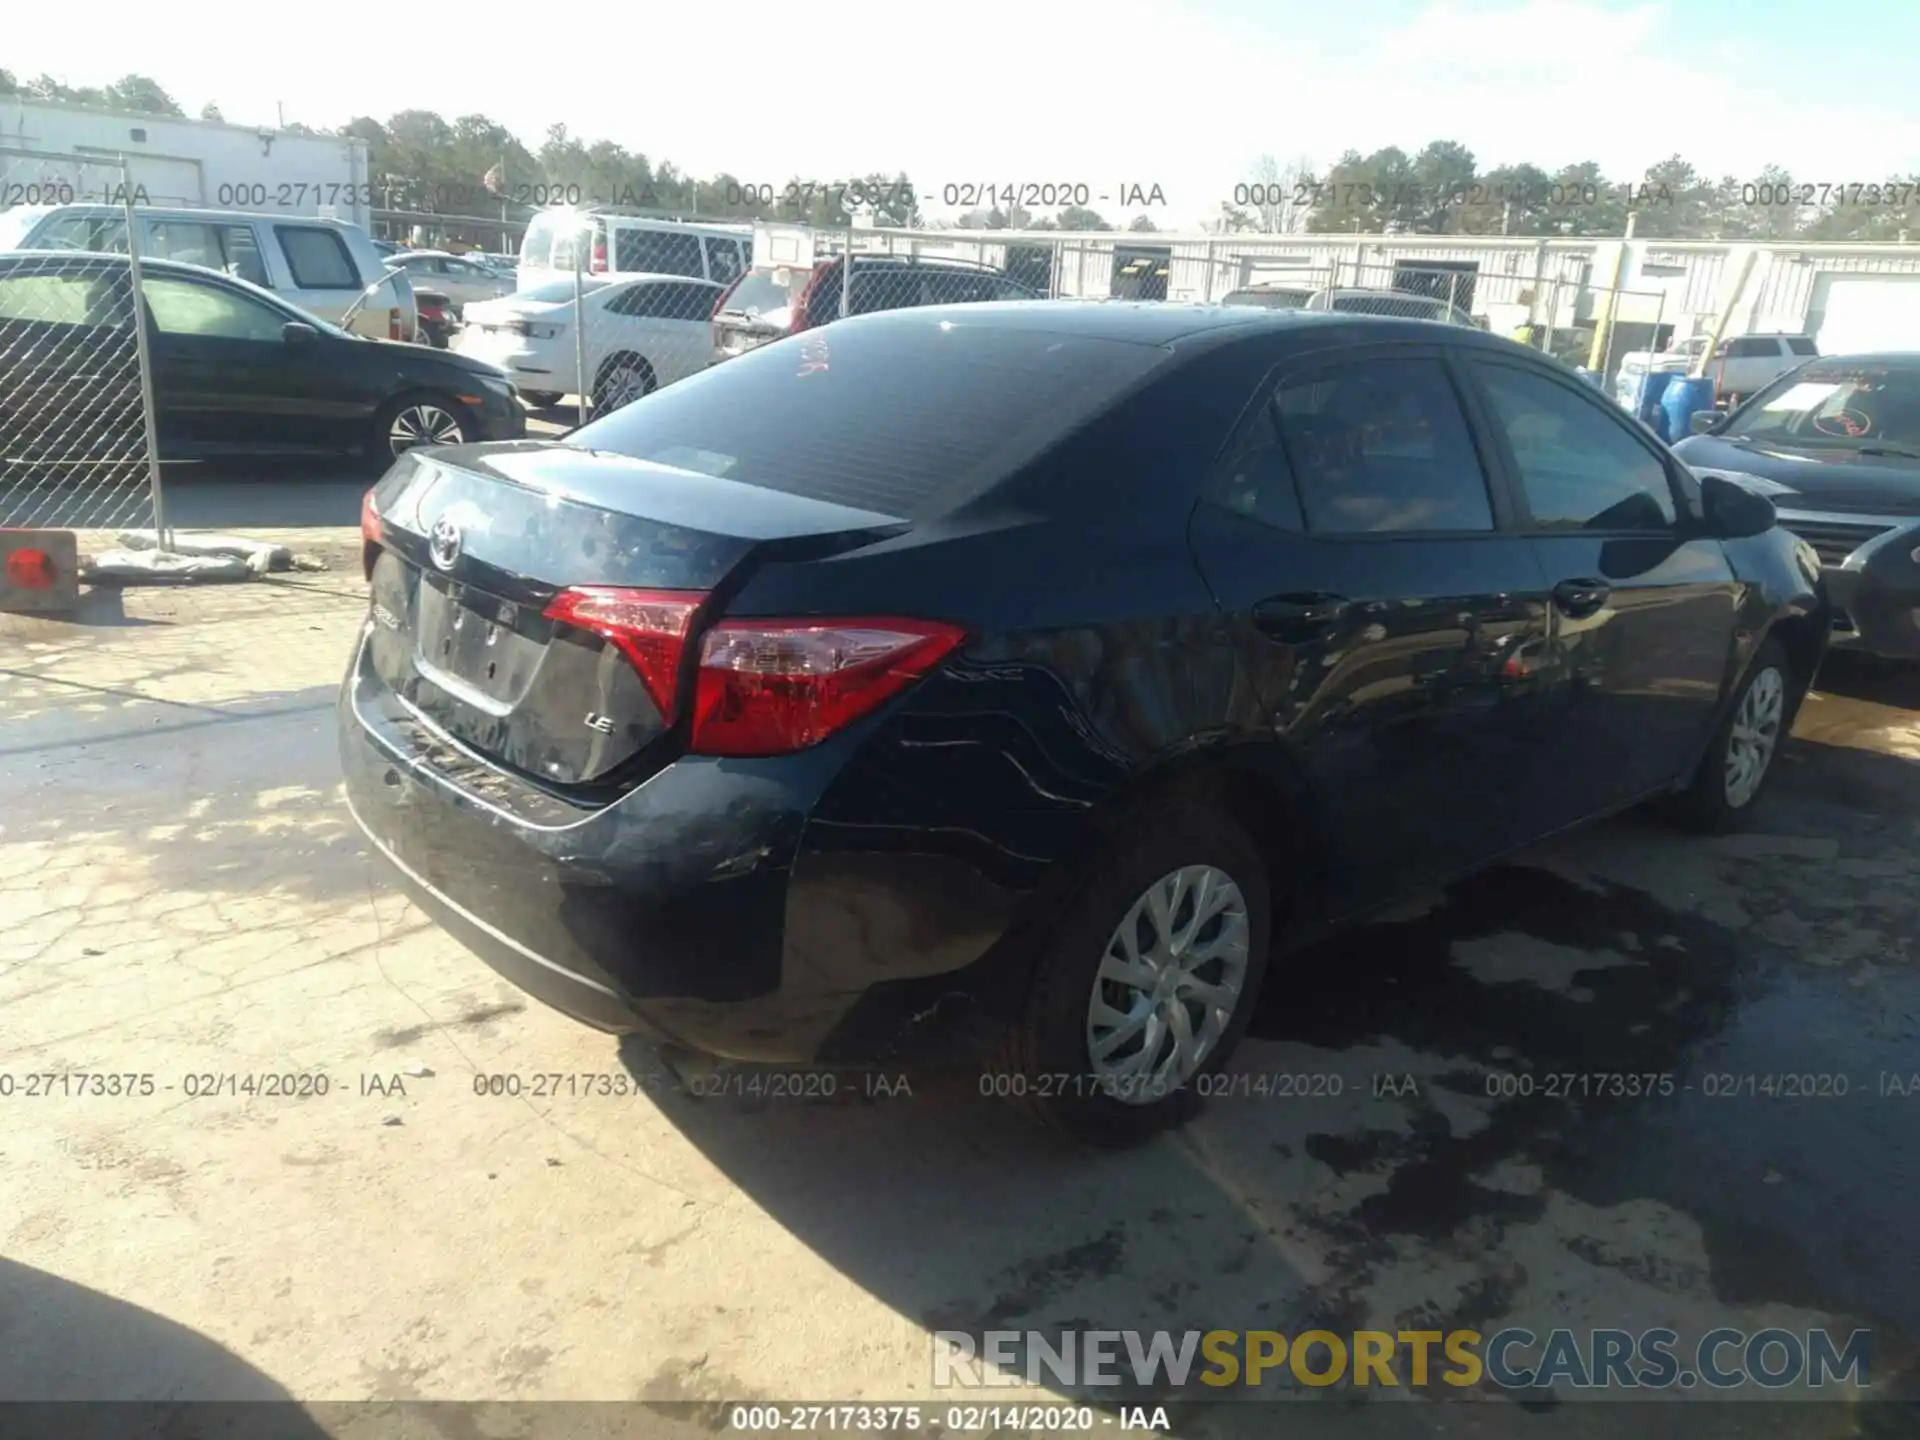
<point>183,900</point>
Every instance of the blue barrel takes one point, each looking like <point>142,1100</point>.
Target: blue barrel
<point>1653,388</point>
<point>1685,396</point>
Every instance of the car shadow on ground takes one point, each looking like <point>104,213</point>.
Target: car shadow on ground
<point>79,1364</point>
<point>1412,1160</point>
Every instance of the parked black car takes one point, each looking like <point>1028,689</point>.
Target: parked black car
<point>1836,445</point>
<point>769,302</point>
<point>1017,673</point>
<point>236,371</point>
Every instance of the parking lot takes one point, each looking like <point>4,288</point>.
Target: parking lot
<point>183,897</point>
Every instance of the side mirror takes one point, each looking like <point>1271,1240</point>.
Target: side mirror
<point>1733,512</point>
<point>296,333</point>
<point>1706,422</point>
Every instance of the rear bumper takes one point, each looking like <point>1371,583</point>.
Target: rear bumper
<point>703,907</point>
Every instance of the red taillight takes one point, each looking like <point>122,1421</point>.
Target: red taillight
<point>763,687</point>
<point>649,627</point>
<point>393,325</point>
<point>597,263</point>
<point>769,687</point>
<point>30,570</point>
<point>802,316</point>
<point>369,534</point>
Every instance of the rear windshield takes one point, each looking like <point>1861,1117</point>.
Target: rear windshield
<point>1403,305</point>
<point>1270,299</point>
<point>900,413</point>
<point>762,292</point>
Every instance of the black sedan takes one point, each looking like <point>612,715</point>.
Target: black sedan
<point>1836,446</point>
<point>1021,674</point>
<point>236,371</point>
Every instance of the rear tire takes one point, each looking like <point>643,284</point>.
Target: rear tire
<point>1093,1007</point>
<point>621,381</point>
<point>1726,789</point>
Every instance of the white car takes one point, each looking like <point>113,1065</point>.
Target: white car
<point>641,333</point>
<point>461,280</point>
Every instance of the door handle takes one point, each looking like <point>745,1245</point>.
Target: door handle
<point>1294,618</point>
<point>1577,599</point>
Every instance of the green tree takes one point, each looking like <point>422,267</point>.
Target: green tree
<point>1368,193</point>
<point>1441,182</point>
<point>1143,224</point>
<point>1673,201</point>
<point>211,111</point>
<point>45,87</point>
<point>142,96</point>
<point>1586,202</point>
<point>1079,217</point>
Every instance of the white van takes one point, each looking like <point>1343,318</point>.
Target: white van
<point>614,246</point>
<point>320,266</point>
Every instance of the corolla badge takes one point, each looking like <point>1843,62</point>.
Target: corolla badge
<point>443,543</point>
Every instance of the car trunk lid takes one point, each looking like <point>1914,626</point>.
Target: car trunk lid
<point>476,545</point>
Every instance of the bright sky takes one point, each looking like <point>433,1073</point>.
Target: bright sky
<point>1182,93</point>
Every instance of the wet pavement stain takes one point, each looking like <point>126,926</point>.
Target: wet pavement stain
<point>1700,1007</point>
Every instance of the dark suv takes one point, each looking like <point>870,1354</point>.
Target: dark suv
<point>772,301</point>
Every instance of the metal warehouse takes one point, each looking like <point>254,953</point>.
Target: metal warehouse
<point>178,162</point>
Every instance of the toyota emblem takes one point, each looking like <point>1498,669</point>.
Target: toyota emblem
<point>444,543</point>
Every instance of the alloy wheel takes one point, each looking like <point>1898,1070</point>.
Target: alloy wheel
<point>1755,735</point>
<point>422,424</point>
<point>623,385</point>
<point>1168,984</point>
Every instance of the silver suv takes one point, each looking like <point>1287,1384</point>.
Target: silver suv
<point>320,266</point>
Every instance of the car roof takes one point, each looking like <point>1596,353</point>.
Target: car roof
<point>1897,358</point>
<point>432,254</point>
<point>644,277</point>
<point>1160,322</point>
<point>84,207</point>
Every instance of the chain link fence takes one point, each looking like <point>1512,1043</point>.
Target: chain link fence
<point>78,446</point>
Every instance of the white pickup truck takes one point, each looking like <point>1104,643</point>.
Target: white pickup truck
<point>1741,364</point>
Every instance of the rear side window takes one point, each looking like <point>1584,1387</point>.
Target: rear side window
<point>691,301</point>
<point>656,252</point>
<point>1381,446</point>
<point>1752,347</point>
<point>1580,467</point>
<point>902,415</point>
<point>1799,346</point>
<point>46,299</point>
<point>316,258</point>
<point>1255,482</point>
